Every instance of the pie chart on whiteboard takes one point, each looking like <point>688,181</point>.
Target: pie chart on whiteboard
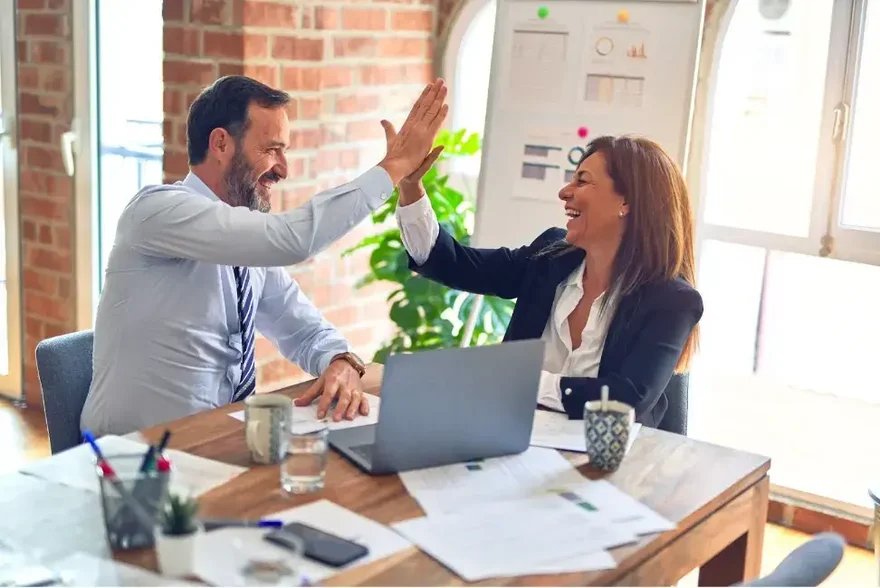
<point>604,46</point>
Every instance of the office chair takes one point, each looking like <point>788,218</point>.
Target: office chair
<point>676,418</point>
<point>808,565</point>
<point>64,365</point>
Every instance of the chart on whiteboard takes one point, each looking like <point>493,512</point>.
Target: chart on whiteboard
<point>549,158</point>
<point>616,60</point>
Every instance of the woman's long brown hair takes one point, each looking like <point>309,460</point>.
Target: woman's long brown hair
<point>658,243</point>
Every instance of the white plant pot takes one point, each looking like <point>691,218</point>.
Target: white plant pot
<point>176,554</point>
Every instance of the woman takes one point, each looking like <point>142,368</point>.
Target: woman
<point>612,294</point>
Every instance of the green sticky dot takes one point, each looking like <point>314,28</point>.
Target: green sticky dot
<point>543,12</point>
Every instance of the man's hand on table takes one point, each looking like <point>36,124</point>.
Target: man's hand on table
<point>340,382</point>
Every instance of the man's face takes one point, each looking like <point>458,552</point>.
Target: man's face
<point>258,161</point>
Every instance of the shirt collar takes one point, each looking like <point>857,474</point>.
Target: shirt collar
<point>195,182</point>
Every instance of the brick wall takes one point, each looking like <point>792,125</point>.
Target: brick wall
<point>347,64</point>
<point>46,191</point>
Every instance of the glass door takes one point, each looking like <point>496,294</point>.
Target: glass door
<point>118,127</point>
<point>10,295</point>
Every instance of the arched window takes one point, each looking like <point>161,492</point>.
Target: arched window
<point>467,58</point>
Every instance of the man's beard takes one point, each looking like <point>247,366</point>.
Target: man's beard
<point>243,186</point>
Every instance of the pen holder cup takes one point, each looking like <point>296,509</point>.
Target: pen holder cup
<point>131,502</point>
<point>607,428</point>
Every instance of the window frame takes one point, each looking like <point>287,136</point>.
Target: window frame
<point>11,384</point>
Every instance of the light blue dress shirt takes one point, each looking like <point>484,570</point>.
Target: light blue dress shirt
<point>167,331</point>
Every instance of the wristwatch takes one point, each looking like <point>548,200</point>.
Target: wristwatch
<point>353,360</point>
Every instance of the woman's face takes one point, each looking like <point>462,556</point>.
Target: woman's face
<point>596,213</point>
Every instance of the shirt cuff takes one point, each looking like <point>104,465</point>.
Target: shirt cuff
<point>418,209</point>
<point>548,391</point>
<point>376,185</point>
<point>325,360</point>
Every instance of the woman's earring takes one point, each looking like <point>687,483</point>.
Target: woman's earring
<point>620,214</point>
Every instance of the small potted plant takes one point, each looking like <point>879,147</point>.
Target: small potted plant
<point>176,539</point>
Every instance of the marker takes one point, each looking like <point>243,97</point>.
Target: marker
<point>162,463</point>
<point>211,524</point>
<point>102,462</point>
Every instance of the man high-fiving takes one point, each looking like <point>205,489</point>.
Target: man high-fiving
<point>197,267</point>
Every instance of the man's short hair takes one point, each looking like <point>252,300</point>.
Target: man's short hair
<point>224,105</point>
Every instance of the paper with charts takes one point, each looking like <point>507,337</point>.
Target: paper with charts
<point>76,467</point>
<point>538,471</point>
<point>538,535</point>
<point>309,414</point>
<point>221,553</point>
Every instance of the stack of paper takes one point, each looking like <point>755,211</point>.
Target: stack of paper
<point>541,535</point>
<point>554,429</point>
<point>530,513</point>
<point>81,569</point>
<point>76,467</point>
<point>221,554</point>
<point>309,414</point>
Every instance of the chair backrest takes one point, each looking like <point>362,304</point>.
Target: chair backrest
<point>676,418</point>
<point>64,364</point>
<point>808,565</point>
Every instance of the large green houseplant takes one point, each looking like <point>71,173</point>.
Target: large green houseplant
<point>428,315</point>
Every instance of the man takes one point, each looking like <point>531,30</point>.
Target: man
<point>197,266</point>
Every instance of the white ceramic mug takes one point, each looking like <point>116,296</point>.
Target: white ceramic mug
<point>267,419</point>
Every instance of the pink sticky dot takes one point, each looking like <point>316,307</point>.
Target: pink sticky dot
<point>583,132</point>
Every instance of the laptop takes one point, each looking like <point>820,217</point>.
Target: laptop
<point>448,406</point>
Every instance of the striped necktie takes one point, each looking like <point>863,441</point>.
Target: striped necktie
<point>246,317</point>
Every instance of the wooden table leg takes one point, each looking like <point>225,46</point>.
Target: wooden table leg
<point>741,560</point>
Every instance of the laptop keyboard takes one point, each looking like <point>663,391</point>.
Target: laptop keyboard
<point>365,451</point>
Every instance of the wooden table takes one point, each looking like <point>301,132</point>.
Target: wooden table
<point>717,496</point>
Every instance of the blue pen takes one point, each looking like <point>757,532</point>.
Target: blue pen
<point>211,524</point>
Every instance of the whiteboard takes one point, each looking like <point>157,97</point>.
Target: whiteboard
<point>564,72</point>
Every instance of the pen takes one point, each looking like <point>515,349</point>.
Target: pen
<point>102,462</point>
<point>148,459</point>
<point>162,463</point>
<point>211,524</point>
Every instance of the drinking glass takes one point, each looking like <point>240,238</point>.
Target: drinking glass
<point>305,464</point>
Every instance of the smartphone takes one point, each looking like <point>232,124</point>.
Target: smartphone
<point>319,545</point>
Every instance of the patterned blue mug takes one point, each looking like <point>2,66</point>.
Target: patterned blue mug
<point>607,427</point>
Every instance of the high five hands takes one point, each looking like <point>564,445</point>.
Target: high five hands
<point>410,149</point>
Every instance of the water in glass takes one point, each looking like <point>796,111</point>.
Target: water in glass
<point>303,469</point>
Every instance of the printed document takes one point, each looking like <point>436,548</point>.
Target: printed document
<point>76,467</point>
<point>539,535</point>
<point>309,414</point>
<point>447,489</point>
<point>555,429</point>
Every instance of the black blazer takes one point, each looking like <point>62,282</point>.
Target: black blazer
<point>645,338</point>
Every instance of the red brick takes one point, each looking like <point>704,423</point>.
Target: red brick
<point>223,45</point>
<point>301,79</point>
<point>342,316</point>
<point>44,306</point>
<point>35,130</point>
<point>188,72</point>
<point>402,47</point>
<point>175,164</point>
<point>309,108</point>
<point>172,10</point>
<point>28,77</point>
<point>395,74</point>
<point>364,19</point>
<point>29,230</point>
<point>412,20</point>
<point>35,281</point>
<point>47,25</point>
<point>172,102</point>
<point>256,46</point>
<point>336,77</point>
<point>269,14</point>
<point>364,130</point>
<point>55,79</point>
<point>357,103</point>
<point>181,40</point>
<point>33,328</point>
<point>297,49</point>
<point>43,158</point>
<point>355,47</point>
<point>214,12</point>
<point>326,18</point>
<point>48,259</point>
<point>49,52</point>
<point>305,139</point>
<point>268,74</point>
<point>37,104</point>
<point>30,5</point>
